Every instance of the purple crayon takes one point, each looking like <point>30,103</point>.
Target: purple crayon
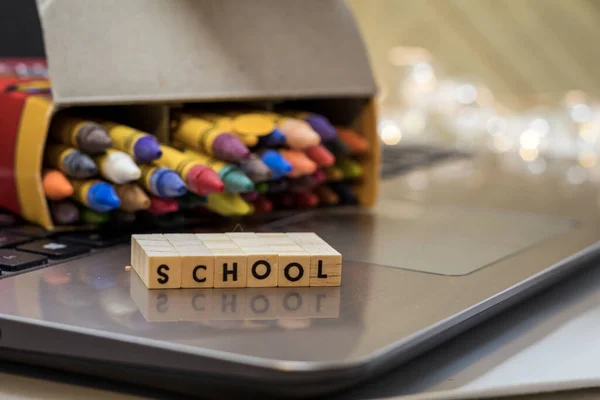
<point>319,124</point>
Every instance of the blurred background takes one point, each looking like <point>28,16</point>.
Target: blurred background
<point>510,76</point>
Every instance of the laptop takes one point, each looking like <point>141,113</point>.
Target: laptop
<point>453,239</point>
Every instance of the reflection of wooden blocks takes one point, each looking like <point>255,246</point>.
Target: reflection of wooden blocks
<point>323,302</point>
<point>155,305</point>
<point>228,304</point>
<point>156,262</point>
<point>234,260</point>
<point>292,303</point>
<point>261,303</point>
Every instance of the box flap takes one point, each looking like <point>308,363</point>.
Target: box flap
<point>115,51</point>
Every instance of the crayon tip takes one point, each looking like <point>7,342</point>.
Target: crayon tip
<point>228,147</point>
<point>256,169</point>
<point>301,164</point>
<point>278,165</point>
<point>320,155</point>
<point>56,185</point>
<point>250,196</point>
<point>227,204</point>
<point>92,217</point>
<point>236,181</point>
<point>147,149</point>
<point>133,198</point>
<point>353,140</point>
<point>64,213</point>
<point>161,206</point>
<point>120,168</point>
<point>274,139</point>
<point>80,165</point>
<point>299,134</point>
<point>102,197</point>
<point>306,200</point>
<point>262,205</point>
<point>93,138</point>
<point>203,180</point>
<point>322,126</point>
<point>170,184</point>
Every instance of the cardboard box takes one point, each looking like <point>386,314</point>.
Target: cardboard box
<point>134,61</point>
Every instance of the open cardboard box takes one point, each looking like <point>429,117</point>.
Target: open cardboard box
<point>134,61</point>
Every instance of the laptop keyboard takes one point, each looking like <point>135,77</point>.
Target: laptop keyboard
<point>397,160</point>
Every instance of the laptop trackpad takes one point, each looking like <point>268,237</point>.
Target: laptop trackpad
<point>438,240</point>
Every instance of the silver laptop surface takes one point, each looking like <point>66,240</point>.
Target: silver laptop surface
<point>448,245</point>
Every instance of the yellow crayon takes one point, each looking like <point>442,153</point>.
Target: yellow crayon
<point>96,195</point>
<point>89,136</point>
<point>142,146</point>
<point>228,204</point>
<point>200,178</point>
<point>70,161</point>
<point>242,123</point>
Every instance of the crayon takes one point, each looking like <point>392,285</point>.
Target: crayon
<point>344,192</point>
<point>272,187</point>
<point>234,179</point>
<point>91,217</point>
<point>228,204</point>
<point>255,169</point>
<point>143,147</point>
<point>273,139</point>
<point>350,168</point>
<point>337,148</point>
<point>320,155</point>
<point>205,137</point>
<point>64,213</point>
<point>133,198</point>
<point>191,201</point>
<point>307,182</point>
<point>161,206</point>
<point>334,174</point>
<point>162,182</point>
<point>301,164</point>
<point>96,195</point>
<point>199,178</point>
<point>87,136</point>
<point>250,124</point>
<point>71,161</point>
<point>250,196</point>
<point>278,165</point>
<point>318,123</point>
<point>298,134</point>
<point>355,143</point>
<point>117,167</point>
<point>56,185</point>
<point>262,205</point>
<point>305,200</point>
<point>327,197</point>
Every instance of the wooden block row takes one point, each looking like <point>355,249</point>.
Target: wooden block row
<point>233,260</point>
<point>233,304</point>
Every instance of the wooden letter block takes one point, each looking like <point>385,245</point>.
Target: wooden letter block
<point>157,263</point>
<point>263,267</point>
<point>230,268</point>
<point>294,269</point>
<point>325,265</point>
<point>197,266</point>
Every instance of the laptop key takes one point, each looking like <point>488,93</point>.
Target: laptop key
<point>95,239</point>
<point>12,260</point>
<point>9,239</point>
<point>54,248</point>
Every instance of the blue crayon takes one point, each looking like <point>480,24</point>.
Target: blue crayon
<point>273,139</point>
<point>278,165</point>
<point>162,182</point>
<point>97,195</point>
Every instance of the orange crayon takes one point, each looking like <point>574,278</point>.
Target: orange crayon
<point>301,164</point>
<point>355,142</point>
<point>327,197</point>
<point>56,185</point>
<point>334,174</point>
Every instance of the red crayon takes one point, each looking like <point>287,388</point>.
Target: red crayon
<point>161,205</point>
<point>305,200</point>
<point>262,205</point>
